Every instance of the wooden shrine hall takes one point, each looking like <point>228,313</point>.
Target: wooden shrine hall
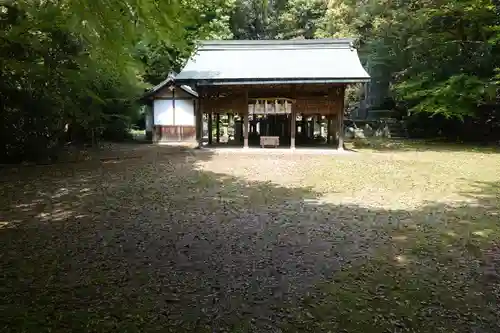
<point>263,93</point>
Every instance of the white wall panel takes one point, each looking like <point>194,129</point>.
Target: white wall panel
<point>163,112</point>
<point>184,112</point>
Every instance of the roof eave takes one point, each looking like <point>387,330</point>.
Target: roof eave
<point>300,43</point>
<point>202,82</point>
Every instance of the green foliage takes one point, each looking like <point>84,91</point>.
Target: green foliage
<point>73,70</point>
<point>450,69</point>
<point>457,96</point>
<point>434,58</point>
<point>111,27</point>
<point>256,19</point>
<point>338,20</point>
<point>52,88</point>
<point>301,19</point>
<point>283,19</point>
<point>209,20</point>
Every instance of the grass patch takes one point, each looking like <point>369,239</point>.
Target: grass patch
<point>385,295</point>
<point>387,145</point>
<point>427,279</point>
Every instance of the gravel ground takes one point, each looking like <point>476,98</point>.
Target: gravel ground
<point>194,242</point>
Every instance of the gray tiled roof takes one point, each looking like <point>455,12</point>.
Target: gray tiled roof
<point>168,81</point>
<point>233,61</point>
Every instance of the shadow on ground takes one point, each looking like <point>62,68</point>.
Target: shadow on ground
<point>157,244</point>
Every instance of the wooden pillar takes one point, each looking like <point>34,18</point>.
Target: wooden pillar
<point>155,133</point>
<point>149,124</point>
<point>319,124</point>
<point>199,122</point>
<point>210,139</point>
<point>313,125</point>
<point>334,128</point>
<point>293,126</point>
<point>328,128</point>
<point>303,129</point>
<point>245,130</point>
<point>217,128</point>
<point>173,106</point>
<point>245,121</point>
<point>309,125</point>
<point>340,120</point>
<point>230,125</point>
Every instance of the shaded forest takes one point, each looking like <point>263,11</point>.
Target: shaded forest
<point>73,70</point>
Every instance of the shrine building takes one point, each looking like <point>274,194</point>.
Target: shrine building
<point>258,93</point>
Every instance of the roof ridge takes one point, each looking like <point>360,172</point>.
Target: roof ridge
<point>276,43</point>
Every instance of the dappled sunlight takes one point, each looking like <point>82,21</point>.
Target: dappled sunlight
<point>401,260</point>
<point>5,224</point>
<point>452,234</point>
<point>57,205</point>
<point>249,237</point>
<point>59,193</point>
<point>399,238</point>
<point>26,207</point>
<point>41,194</point>
<point>113,161</point>
<point>57,214</point>
<point>483,233</point>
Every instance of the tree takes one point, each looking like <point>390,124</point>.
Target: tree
<point>70,67</point>
<point>210,21</point>
<point>450,71</point>
<point>301,19</point>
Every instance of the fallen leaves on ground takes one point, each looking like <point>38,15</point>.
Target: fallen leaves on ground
<point>231,242</point>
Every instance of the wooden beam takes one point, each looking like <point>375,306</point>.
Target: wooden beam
<point>328,129</point>
<point>312,124</point>
<point>154,134</point>
<point>340,121</point>
<point>173,106</point>
<point>199,123</point>
<point>210,139</point>
<point>245,121</point>
<point>293,118</point>
<point>230,125</point>
<point>217,128</point>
